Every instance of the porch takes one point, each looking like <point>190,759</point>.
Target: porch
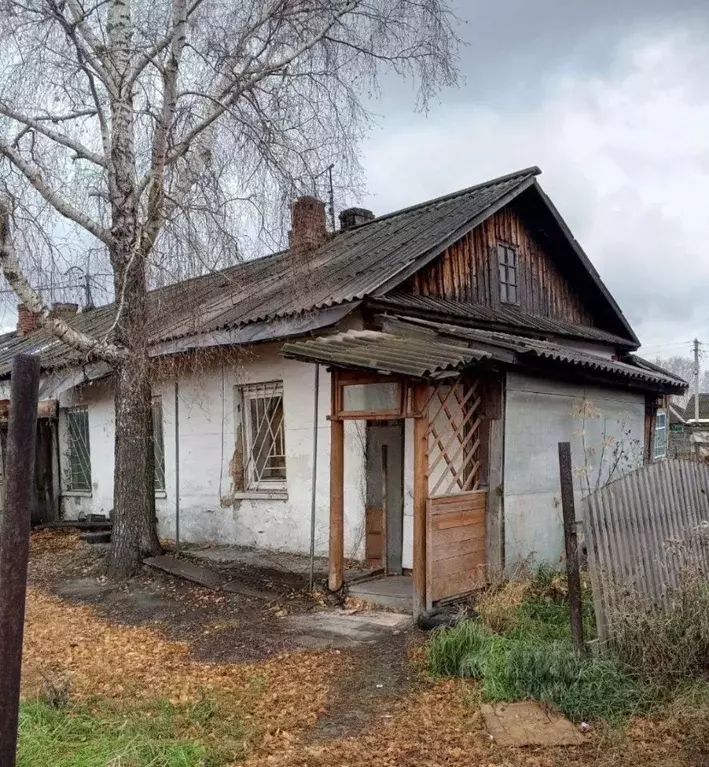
<point>433,416</point>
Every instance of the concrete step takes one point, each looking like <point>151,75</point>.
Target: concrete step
<point>395,591</point>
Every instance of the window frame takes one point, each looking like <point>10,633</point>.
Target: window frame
<point>508,273</point>
<point>253,392</point>
<point>71,487</point>
<point>158,449</point>
<point>657,431</point>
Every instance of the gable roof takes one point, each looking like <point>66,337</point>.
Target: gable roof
<point>703,407</point>
<point>369,260</point>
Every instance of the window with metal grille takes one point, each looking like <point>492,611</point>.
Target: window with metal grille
<point>660,446</point>
<point>264,438</point>
<point>507,258</point>
<point>158,445</point>
<point>79,468</point>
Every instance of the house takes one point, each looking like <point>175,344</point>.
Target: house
<point>406,379</point>
<point>689,429</point>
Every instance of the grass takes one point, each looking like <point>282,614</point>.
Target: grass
<point>158,734</point>
<point>522,650</point>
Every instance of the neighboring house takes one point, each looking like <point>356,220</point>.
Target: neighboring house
<point>689,435</point>
<point>440,353</point>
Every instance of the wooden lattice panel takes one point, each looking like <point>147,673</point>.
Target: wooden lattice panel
<point>453,433</point>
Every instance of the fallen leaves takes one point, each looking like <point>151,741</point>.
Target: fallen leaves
<point>284,694</point>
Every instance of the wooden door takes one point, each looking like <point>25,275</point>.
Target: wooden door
<point>385,495</point>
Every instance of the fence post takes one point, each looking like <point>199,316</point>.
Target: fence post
<point>571,545</point>
<point>14,543</point>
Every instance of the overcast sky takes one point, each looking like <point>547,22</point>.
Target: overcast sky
<point>611,99</point>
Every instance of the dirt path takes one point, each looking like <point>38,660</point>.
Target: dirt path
<point>377,676</point>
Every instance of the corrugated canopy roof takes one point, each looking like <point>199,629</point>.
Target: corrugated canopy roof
<point>386,352</point>
<point>424,349</point>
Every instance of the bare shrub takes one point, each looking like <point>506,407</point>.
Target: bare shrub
<point>665,642</point>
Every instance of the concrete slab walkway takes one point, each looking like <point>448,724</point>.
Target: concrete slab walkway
<point>337,630</point>
<point>392,591</point>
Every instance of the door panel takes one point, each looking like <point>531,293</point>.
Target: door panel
<point>385,487</point>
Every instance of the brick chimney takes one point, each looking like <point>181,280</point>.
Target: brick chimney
<point>26,321</point>
<point>64,311</point>
<point>309,227</point>
<point>354,217</point>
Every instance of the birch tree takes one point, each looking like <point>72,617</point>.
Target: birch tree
<point>130,127</point>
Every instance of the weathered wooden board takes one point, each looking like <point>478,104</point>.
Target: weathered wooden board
<point>468,271</point>
<point>374,544</point>
<point>455,545</point>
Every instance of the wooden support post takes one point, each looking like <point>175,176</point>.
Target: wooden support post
<point>571,545</point>
<point>495,515</point>
<point>337,504</point>
<point>420,496</point>
<point>14,543</point>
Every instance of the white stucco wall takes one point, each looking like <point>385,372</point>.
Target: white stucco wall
<point>208,509</point>
<point>538,415</point>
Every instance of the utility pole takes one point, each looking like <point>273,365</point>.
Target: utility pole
<point>696,379</point>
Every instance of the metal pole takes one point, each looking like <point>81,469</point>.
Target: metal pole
<point>571,545</point>
<point>14,543</point>
<point>696,379</point>
<point>313,487</point>
<point>385,501</point>
<point>177,467</point>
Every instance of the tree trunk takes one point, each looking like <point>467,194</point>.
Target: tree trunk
<point>134,522</point>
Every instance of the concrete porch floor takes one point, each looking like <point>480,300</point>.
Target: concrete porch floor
<point>387,591</point>
<point>293,565</point>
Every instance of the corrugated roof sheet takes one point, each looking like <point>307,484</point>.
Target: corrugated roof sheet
<point>423,349</point>
<point>634,368</point>
<point>386,352</point>
<point>508,316</point>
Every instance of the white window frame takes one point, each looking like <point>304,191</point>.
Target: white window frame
<point>660,436</point>
<point>71,489</point>
<point>253,481</point>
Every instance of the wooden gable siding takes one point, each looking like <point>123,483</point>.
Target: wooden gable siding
<point>468,271</point>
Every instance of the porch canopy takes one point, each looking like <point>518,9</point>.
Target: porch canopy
<point>449,380</point>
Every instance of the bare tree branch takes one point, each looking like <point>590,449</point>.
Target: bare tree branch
<point>11,270</point>
<point>61,205</point>
<point>70,143</point>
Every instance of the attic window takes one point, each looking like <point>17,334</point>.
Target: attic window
<point>507,258</point>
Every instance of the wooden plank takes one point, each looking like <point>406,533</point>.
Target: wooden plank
<point>420,493</point>
<point>465,563</point>
<point>457,583</point>
<point>463,533</point>
<point>442,504</point>
<point>455,549</point>
<point>457,519</point>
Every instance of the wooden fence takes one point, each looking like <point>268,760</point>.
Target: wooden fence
<point>642,531</point>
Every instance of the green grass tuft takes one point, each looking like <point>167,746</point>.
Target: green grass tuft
<point>154,735</point>
<point>530,656</point>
